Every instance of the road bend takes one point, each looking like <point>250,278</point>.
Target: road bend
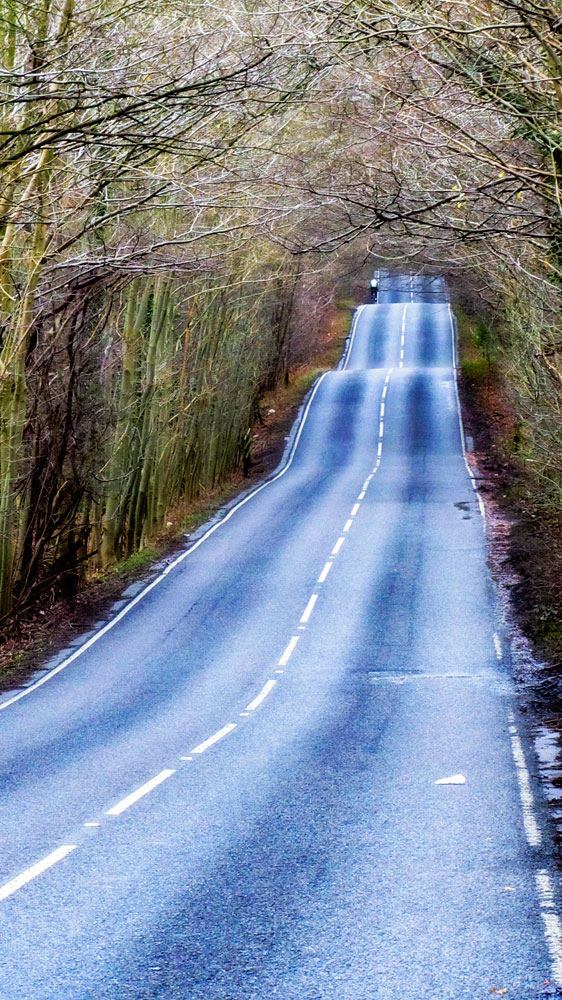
<point>294,768</point>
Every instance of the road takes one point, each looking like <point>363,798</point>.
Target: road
<point>231,793</point>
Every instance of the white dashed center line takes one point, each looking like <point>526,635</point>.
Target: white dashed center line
<point>30,873</point>
<point>261,696</point>
<point>288,652</point>
<point>338,546</point>
<point>354,509</point>
<point>309,609</point>
<point>215,738</point>
<point>325,572</point>
<point>129,800</point>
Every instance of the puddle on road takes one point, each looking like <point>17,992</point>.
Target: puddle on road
<point>548,747</point>
<point>465,507</point>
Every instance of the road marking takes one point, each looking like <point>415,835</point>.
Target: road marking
<point>361,495</point>
<point>186,758</point>
<point>461,426</point>
<point>91,824</point>
<point>261,696</point>
<point>379,452</point>
<point>382,410</point>
<point>401,365</point>
<point>129,800</point>
<point>309,608</point>
<point>532,831</point>
<point>347,525</point>
<point>289,650</point>
<point>277,672</point>
<point>337,546</point>
<point>354,509</point>
<point>498,645</point>
<point>30,873</point>
<point>552,925</point>
<point>215,738</point>
<point>171,566</point>
<point>325,572</point>
<point>352,336</point>
<point>381,429</point>
<point>385,390</point>
<point>455,779</point>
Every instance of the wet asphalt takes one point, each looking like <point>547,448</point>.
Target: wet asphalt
<point>308,852</point>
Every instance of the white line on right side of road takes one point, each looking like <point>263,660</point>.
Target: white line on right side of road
<point>459,411</point>
<point>401,365</point>
<point>30,873</point>
<point>309,609</point>
<point>261,696</point>
<point>497,646</point>
<point>201,747</point>
<point>552,925</point>
<point>532,832</point>
<point>129,800</point>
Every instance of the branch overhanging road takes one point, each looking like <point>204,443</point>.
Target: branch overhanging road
<point>237,790</point>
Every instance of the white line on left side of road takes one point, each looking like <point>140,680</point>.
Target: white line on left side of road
<point>175,562</point>
<point>261,696</point>
<point>130,800</point>
<point>37,869</point>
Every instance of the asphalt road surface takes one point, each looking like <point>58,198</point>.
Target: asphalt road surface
<point>231,793</point>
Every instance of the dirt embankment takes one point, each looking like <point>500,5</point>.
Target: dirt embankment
<point>49,625</point>
<point>525,538</point>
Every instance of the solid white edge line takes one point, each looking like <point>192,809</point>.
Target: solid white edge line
<point>497,645</point>
<point>130,800</point>
<point>309,608</point>
<point>176,562</point>
<point>288,651</point>
<point>325,571</point>
<point>532,831</point>
<point>337,546</point>
<point>201,747</point>
<point>261,696</point>
<point>461,425</point>
<point>552,925</point>
<point>354,324</point>
<point>14,884</point>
